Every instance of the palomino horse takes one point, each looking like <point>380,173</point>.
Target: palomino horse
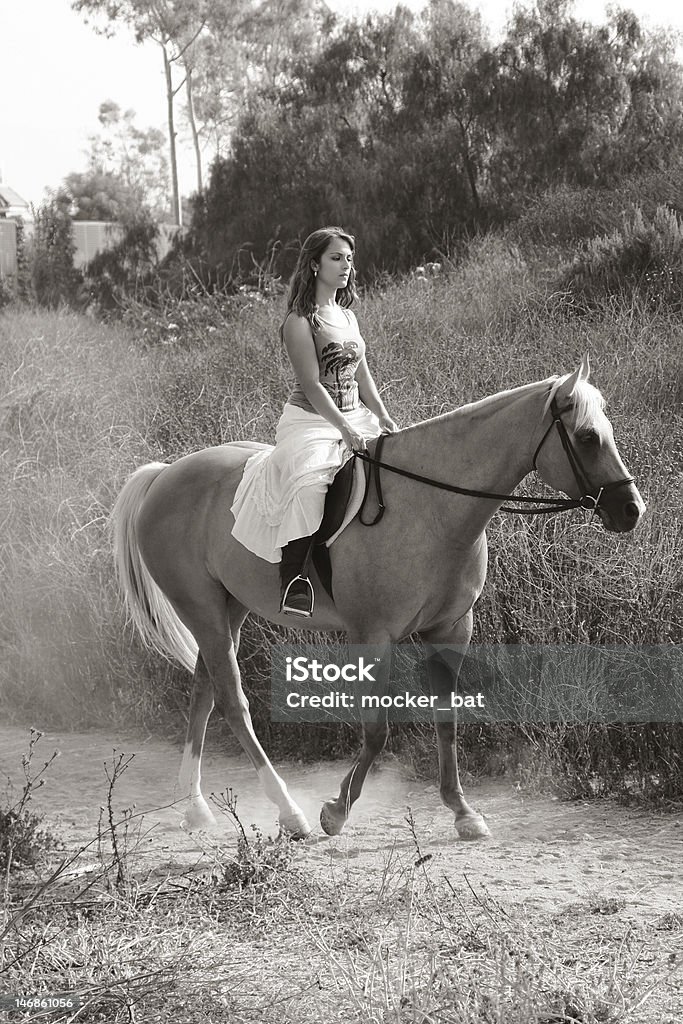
<point>189,585</point>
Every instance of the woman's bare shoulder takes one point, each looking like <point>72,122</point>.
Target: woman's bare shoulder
<point>297,329</point>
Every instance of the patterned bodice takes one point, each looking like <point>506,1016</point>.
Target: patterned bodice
<point>340,349</point>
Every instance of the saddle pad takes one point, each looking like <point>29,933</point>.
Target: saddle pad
<point>355,500</point>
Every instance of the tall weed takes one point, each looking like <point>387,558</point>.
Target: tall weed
<point>643,260</point>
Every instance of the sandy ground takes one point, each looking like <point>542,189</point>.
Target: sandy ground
<point>542,852</point>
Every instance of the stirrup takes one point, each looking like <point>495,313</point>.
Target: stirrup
<point>301,603</point>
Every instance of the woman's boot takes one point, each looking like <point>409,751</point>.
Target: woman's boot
<point>296,590</point>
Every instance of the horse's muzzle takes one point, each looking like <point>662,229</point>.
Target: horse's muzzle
<point>621,510</point>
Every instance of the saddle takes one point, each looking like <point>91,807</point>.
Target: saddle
<point>336,503</point>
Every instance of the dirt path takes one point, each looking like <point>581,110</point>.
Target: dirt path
<point>542,853</point>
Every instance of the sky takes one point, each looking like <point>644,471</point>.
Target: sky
<point>55,71</point>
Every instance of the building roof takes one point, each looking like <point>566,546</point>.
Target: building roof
<point>8,197</point>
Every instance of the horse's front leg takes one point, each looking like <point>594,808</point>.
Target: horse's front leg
<point>443,667</point>
<point>375,731</point>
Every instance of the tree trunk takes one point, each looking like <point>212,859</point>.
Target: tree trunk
<point>469,169</point>
<point>193,127</point>
<point>175,198</point>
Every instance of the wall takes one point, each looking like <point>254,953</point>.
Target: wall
<point>90,237</point>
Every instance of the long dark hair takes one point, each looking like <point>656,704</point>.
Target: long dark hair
<point>301,294</point>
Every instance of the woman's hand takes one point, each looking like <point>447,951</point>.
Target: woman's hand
<point>387,425</point>
<point>353,439</point>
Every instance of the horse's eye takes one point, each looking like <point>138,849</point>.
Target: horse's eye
<point>589,437</point>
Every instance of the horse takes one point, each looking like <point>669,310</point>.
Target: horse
<point>189,585</point>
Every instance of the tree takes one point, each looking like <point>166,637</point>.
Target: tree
<point>575,103</point>
<point>248,46</point>
<point>173,25</point>
<point>97,195</point>
<point>53,278</point>
<point>445,83</point>
<point>417,131</point>
<point>127,172</point>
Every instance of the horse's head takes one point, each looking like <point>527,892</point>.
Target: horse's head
<point>577,453</point>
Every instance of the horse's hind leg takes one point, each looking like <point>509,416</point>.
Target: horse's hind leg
<point>443,668</point>
<point>198,814</point>
<point>216,627</point>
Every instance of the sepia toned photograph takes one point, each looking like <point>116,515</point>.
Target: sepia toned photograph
<point>341,544</point>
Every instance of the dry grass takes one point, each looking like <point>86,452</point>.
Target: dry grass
<point>264,935</point>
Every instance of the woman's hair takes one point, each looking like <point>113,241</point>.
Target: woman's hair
<point>301,294</point>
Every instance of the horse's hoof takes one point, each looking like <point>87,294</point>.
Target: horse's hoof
<point>331,821</point>
<point>198,817</point>
<point>472,826</point>
<point>295,826</point>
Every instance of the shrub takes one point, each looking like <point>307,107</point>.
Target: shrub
<point>54,280</point>
<point>127,269</point>
<point>6,292</point>
<point>643,259</point>
<point>23,842</point>
<point>565,215</point>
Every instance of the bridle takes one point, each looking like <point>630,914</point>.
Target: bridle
<point>590,500</point>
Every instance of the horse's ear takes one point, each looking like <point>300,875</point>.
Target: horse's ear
<point>566,388</point>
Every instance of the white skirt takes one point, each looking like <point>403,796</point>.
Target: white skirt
<point>281,495</point>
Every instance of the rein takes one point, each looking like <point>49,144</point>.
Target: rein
<point>589,502</point>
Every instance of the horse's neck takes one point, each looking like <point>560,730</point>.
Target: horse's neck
<point>484,446</point>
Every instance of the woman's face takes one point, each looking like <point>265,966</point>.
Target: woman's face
<point>335,264</point>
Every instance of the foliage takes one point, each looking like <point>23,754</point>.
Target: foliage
<point>23,263</point>
<point>127,270</point>
<point>6,292</point>
<point>100,195</point>
<point>414,132</point>
<point>260,861</point>
<point>248,46</point>
<point>643,259</point>
<point>24,843</point>
<point>127,172</point>
<point>127,175</point>
<point>173,25</point>
<point>579,103</point>
<point>50,257</point>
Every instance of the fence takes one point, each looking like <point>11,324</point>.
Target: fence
<point>8,248</point>
<point>90,237</point>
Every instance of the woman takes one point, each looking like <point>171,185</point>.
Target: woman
<point>334,409</point>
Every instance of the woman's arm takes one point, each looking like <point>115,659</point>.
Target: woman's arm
<point>301,351</point>
<point>369,394</point>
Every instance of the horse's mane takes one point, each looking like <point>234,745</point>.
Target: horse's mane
<point>585,404</point>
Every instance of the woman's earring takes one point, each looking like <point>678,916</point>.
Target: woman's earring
<point>315,273</point>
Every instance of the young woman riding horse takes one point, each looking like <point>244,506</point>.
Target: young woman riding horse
<point>189,584</point>
<point>334,409</point>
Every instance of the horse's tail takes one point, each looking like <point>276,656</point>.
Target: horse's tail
<point>148,607</point>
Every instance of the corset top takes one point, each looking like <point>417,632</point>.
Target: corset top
<point>339,348</point>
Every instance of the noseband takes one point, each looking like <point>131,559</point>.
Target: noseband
<point>590,500</point>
